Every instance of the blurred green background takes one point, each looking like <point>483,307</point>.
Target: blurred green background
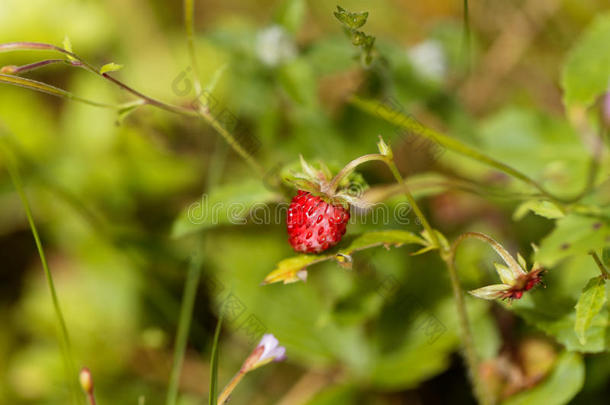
<point>106,191</point>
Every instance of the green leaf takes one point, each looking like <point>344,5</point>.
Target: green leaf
<point>564,382</point>
<point>294,268</point>
<point>586,74</point>
<point>542,208</point>
<point>291,14</point>
<point>224,205</point>
<point>127,109</point>
<point>552,309</point>
<point>589,304</point>
<point>426,345</point>
<point>573,235</point>
<point>110,67</point>
<point>214,363</point>
<point>299,82</point>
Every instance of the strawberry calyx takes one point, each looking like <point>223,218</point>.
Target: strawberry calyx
<point>318,182</point>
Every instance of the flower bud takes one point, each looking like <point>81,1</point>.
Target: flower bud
<point>9,69</point>
<point>384,149</point>
<point>86,381</point>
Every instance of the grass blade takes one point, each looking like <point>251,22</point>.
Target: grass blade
<point>184,325</point>
<point>48,89</point>
<point>65,338</point>
<point>214,363</point>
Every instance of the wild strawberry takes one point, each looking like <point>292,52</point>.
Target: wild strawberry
<point>315,225</point>
<point>318,214</point>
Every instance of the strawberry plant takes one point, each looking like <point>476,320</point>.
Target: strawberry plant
<point>406,203</point>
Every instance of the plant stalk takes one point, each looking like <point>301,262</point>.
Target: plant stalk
<point>77,61</point>
<point>602,268</point>
<point>66,347</point>
<point>410,124</point>
<point>472,361</point>
<point>184,323</point>
<point>226,392</point>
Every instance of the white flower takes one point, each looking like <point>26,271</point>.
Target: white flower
<point>428,59</point>
<point>275,46</point>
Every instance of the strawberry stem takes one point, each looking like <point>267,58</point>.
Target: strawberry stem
<point>412,202</point>
<point>603,269</point>
<point>351,166</point>
<point>469,352</point>
<point>503,253</point>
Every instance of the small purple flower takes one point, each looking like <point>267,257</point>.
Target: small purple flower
<point>267,351</point>
<point>272,350</point>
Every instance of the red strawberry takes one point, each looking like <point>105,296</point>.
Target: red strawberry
<point>313,224</point>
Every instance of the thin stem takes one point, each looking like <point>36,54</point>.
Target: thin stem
<point>29,67</point>
<point>189,24</point>
<point>413,203</point>
<point>91,398</point>
<point>230,139</point>
<point>149,100</point>
<point>77,61</point>
<point>184,323</point>
<point>65,338</point>
<point>351,166</point>
<point>466,37</point>
<point>404,121</point>
<point>226,392</point>
<point>48,89</point>
<point>470,354</point>
<point>602,268</point>
<point>503,253</point>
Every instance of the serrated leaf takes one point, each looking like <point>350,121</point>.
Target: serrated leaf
<point>564,382</point>
<point>586,74</point>
<point>552,309</point>
<point>351,20</point>
<point>288,270</point>
<point>110,67</point>
<point>589,304</point>
<point>543,208</point>
<point>224,205</point>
